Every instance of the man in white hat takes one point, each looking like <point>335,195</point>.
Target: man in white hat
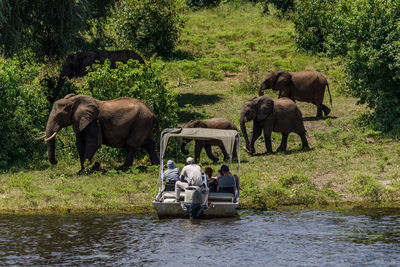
<point>193,173</point>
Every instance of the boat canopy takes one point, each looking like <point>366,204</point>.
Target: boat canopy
<point>227,137</point>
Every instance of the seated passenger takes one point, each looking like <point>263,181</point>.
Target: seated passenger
<point>226,183</point>
<point>172,173</point>
<point>212,184</point>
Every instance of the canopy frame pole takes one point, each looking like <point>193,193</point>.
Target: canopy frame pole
<point>238,151</point>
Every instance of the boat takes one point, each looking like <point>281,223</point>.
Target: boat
<point>219,204</point>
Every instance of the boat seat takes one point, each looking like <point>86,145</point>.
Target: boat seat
<point>226,197</point>
<point>213,196</point>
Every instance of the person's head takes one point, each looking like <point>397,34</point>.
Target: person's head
<point>224,169</point>
<point>170,164</point>
<point>189,160</point>
<point>208,171</point>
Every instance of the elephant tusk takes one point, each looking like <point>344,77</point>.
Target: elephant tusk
<point>41,138</point>
<point>51,137</point>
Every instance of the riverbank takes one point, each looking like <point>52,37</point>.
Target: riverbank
<point>223,53</point>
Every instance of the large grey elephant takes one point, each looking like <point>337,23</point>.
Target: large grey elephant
<point>307,86</point>
<point>214,123</point>
<point>75,64</point>
<point>281,115</point>
<point>122,122</point>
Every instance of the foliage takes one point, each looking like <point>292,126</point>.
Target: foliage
<point>368,187</point>
<point>313,22</point>
<point>150,26</point>
<point>23,109</point>
<point>139,81</point>
<point>283,5</point>
<point>49,28</point>
<point>366,33</point>
<point>196,4</point>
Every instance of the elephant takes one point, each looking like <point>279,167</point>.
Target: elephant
<point>214,123</point>
<point>307,86</point>
<point>280,115</point>
<point>75,64</point>
<point>122,122</point>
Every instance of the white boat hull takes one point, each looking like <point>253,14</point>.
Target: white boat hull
<point>215,210</point>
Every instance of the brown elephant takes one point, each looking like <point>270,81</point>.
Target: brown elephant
<point>214,123</point>
<point>122,122</point>
<point>281,115</point>
<point>75,64</point>
<point>306,86</point>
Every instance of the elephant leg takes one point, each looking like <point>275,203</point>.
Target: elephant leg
<point>128,160</point>
<point>226,156</point>
<point>254,136</point>
<point>151,149</point>
<point>282,146</point>
<point>91,143</point>
<point>326,110</point>
<point>197,150</point>
<point>210,154</point>
<point>304,141</point>
<point>80,144</point>
<point>319,111</point>
<point>267,138</point>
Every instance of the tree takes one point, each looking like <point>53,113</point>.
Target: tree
<point>48,28</point>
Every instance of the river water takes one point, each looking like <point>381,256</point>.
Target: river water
<point>272,238</point>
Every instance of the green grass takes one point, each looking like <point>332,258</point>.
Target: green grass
<point>223,53</point>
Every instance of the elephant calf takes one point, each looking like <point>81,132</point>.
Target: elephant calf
<point>214,123</point>
<point>308,86</point>
<point>281,115</point>
<point>122,122</point>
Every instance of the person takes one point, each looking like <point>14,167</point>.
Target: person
<point>193,173</point>
<point>172,173</point>
<point>212,184</point>
<point>227,183</point>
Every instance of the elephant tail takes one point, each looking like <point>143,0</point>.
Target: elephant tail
<point>330,97</point>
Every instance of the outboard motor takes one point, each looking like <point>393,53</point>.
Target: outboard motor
<point>193,201</point>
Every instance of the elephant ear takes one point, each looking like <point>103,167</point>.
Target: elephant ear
<point>69,96</point>
<point>283,80</point>
<point>86,111</point>
<point>265,108</point>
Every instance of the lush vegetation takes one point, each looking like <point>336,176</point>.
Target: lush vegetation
<point>150,26</point>
<point>219,59</point>
<point>365,34</point>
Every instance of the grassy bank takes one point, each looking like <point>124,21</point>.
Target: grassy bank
<point>223,53</point>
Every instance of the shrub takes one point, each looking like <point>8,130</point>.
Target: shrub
<point>368,187</point>
<point>196,4</point>
<point>23,110</point>
<point>282,5</point>
<point>150,26</point>
<point>313,22</point>
<point>143,82</point>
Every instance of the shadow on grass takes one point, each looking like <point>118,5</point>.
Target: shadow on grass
<point>288,152</point>
<point>188,115</point>
<point>179,54</point>
<point>318,119</point>
<point>197,99</point>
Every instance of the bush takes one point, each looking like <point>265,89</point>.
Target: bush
<point>150,26</point>
<point>313,22</point>
<point>366,33</point>
<point>196,4</point>
<point>23,110</point>
<point>134,80</point>
<point>282,5</point>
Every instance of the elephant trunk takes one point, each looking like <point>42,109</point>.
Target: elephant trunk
<point>244,132</point>
<point>183,146</point>
<point>51,129</point>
